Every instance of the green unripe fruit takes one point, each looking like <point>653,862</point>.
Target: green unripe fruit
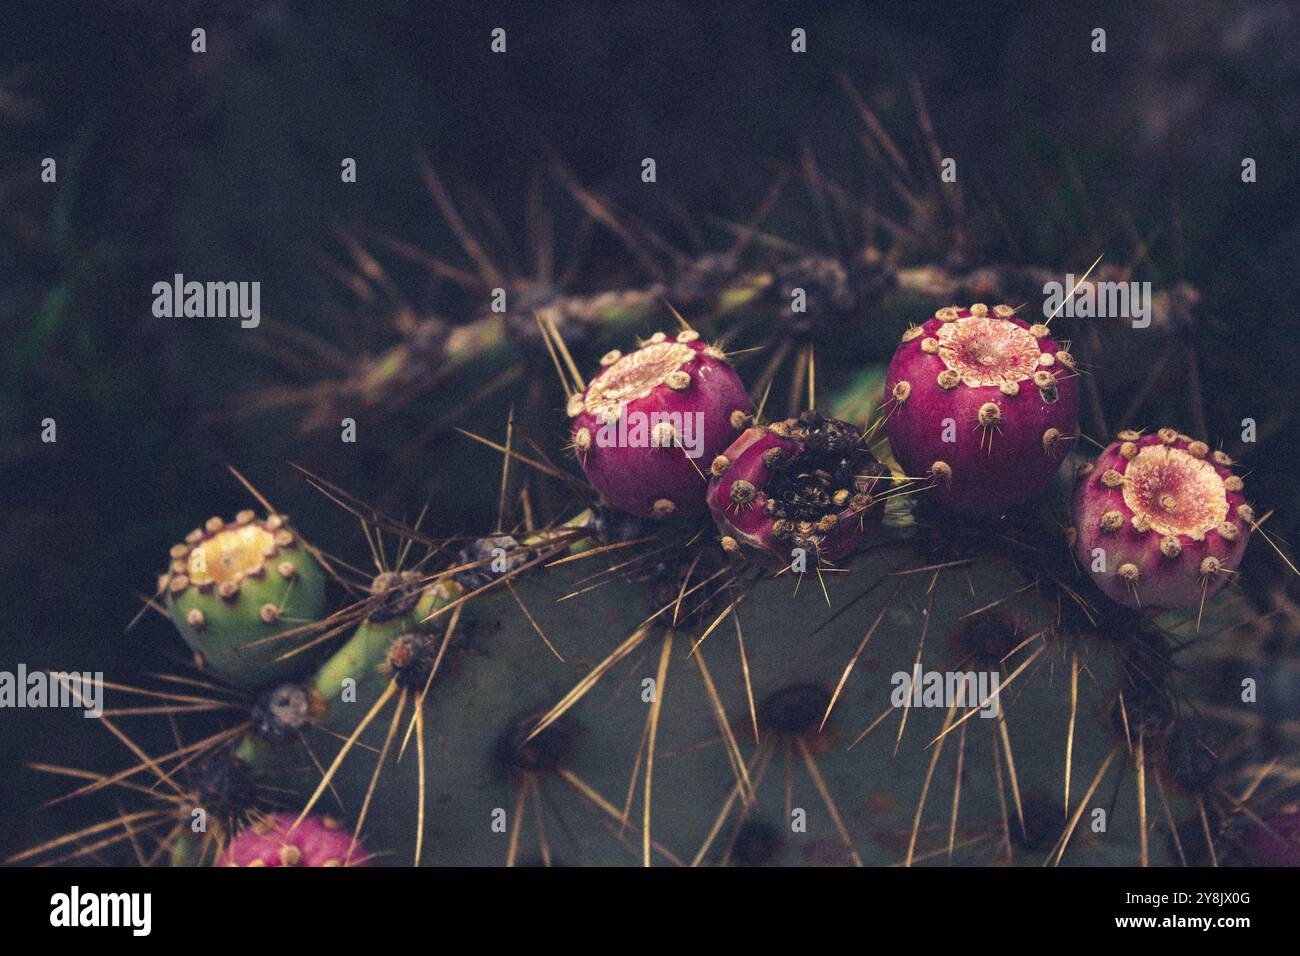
<point>233,587</point>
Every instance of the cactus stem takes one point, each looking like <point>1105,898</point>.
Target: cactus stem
<point>590,679</point>
<point>380,702</point>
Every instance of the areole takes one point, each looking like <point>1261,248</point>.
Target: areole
<point>988,351</point>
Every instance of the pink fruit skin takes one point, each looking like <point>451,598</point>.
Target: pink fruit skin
<point>1163,581</point>
<point>1265,849</point>
<point>992,468</point>
<point>314,843</point>
<point>751,527</point>
<point>633,479</point>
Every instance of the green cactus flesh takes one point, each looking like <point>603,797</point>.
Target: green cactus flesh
<point>794,792</point>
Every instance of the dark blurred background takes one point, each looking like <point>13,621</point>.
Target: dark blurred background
<point>225,165</point>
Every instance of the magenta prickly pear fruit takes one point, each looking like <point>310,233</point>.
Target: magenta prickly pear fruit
<point>230,586</point>
<point>274,841</point>
<point>1160,520</point>
<point>983,403</point>
<point>1279,844</point>
<point>648,425</point>
<point>804,483</point>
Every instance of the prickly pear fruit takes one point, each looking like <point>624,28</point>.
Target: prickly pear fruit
<point>275,841</point>
<point>1277,843</point>
<point>1160,520</point>
<point>983,403</point>
<point>647,426</point>
<point>806,482</point>
<point>231,586</point>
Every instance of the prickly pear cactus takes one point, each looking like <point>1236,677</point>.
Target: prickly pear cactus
<point>813,658</point>
<point>908,620</point>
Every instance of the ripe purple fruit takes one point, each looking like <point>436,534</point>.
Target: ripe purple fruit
<point>805,483</point>
<point>983,403</point>
<point>649,423</point>
<point>1160,520</point>
<point>1278,842</point>
<point>274,841</point>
